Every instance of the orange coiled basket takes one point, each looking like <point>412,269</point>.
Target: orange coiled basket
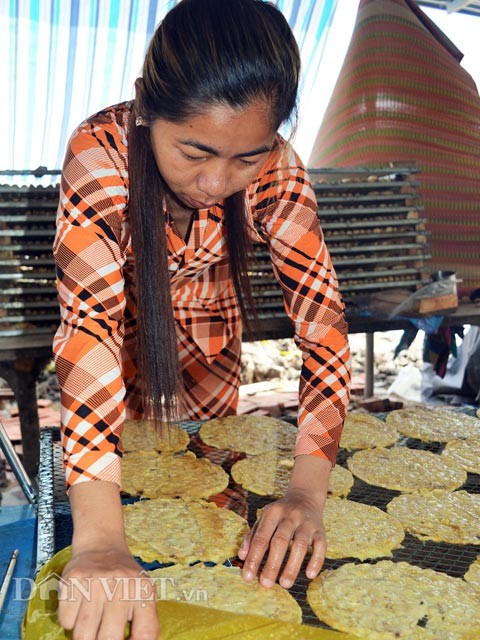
<point>402,97</point>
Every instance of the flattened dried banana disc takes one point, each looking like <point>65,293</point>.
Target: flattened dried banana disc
<point>433,425</point>
<point>340,482</point>
<point>356,530</point>
<point>464,454</point>
<point>182,531</point>
<point>250,434</point>
<point>153,475</point>
<point>390,600</point>
<point>442,516</point>
<point>404,469</point>
<point>141,435</point>
<point>473,574</point>
<point>223,588</point>
<point>268,474</point>
<point>364,431</point>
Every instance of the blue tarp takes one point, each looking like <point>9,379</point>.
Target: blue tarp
<point>17,531</point>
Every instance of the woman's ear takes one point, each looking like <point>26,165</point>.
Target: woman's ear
<point>140,120</point>
<point>138,87</point>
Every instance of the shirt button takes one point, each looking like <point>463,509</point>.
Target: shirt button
<point>173,266</point>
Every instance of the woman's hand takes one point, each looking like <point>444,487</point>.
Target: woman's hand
<point>101,590</point>
<point>290,526</point>
<point>116,589</point>
<point>295,519</point>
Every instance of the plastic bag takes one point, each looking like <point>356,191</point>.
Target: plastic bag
<point>453,380</point>
<point>178,620</point>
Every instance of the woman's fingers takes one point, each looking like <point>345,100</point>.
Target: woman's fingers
<point>92,621</point>
<point>258,544</point>
<point>298,551</point>
<point>302,543</point>
<point>98,598</point>
<point>144,617</point>
<point>277,550</point>
<point>245,548</point>
<point>284,532</point>
<point>114,618</point>
<point>145,624</point>
<point>88,621</point>
<point>318,556</point>
<point>68,608</point>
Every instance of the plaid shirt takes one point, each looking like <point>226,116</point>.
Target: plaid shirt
<point>95,344</point>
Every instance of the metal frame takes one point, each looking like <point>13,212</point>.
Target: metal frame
<point>471,7</point>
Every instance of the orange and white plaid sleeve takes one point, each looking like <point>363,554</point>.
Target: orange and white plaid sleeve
<point>284,203</point>
<point>89,258</point>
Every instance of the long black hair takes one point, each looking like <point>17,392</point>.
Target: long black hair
<point>204,53</point>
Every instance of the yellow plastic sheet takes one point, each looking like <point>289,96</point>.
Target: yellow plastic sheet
<point>178,620</point>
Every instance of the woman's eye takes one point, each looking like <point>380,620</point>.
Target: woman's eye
<point>189,157</point>
<point>249,163</point>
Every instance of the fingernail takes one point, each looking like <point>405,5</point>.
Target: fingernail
<point>266,582</point>
<point>248,575</point>
<point>286,584</point>
<point>311,573</point>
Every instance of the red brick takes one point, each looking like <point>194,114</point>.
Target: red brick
<point>44,402</point>
<point>377,405</point>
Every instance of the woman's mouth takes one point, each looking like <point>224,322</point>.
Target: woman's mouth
<point>196,204</point>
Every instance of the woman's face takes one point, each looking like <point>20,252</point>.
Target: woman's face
<point>208,157</point>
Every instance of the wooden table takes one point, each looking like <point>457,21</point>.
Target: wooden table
<point>23,358</point>
<point>369,323</point>
<point>467,313</point>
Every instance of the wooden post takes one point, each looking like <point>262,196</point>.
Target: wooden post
<point>22,374</point>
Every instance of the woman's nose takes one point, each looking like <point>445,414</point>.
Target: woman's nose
<point>213,183</point>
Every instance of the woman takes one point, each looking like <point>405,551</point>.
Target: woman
<point>159,199</point>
